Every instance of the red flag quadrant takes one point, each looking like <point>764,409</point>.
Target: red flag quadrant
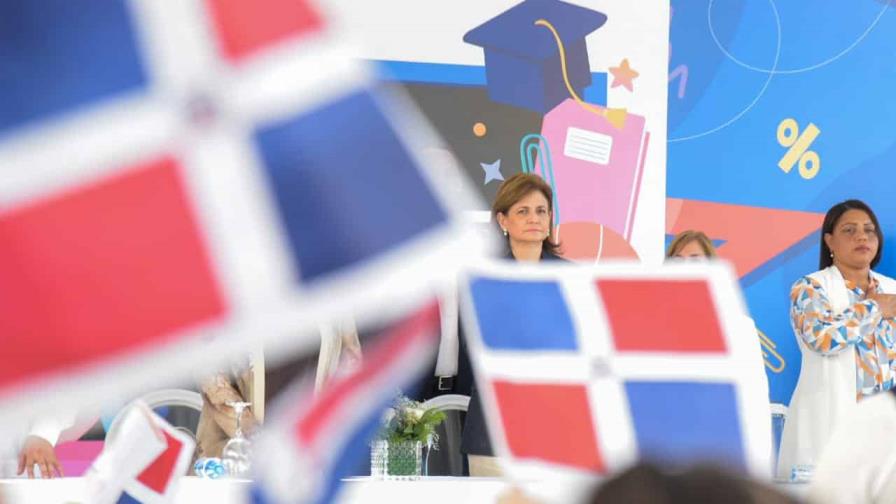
<point>101,270</point>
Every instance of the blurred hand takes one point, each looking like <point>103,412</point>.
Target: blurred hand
<point>887,303</point>
<point>38,450</point>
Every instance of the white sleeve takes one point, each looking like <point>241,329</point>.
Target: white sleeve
<point>50,428</point>
<point>328,359</point>
<point>446,362</point>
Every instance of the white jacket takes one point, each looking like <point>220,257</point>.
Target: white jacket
<point>858,465</point>
<point>826,389</point>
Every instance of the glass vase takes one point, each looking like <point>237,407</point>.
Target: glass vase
<point>378,451</point>
<point>404,460</point>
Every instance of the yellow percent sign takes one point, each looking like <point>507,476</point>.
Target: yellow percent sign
<point>789,136</point>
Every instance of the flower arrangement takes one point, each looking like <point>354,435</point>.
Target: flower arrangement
<point>408,420</point>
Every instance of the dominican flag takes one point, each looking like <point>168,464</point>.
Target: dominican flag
<point>179,178</point>
<point>314,442</point>
<point>594,369</point>
<point>142,463</point>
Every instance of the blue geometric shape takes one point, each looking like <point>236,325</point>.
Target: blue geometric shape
<point>467,75</point>
<point>430,73</point>
<point>57,56</point>
<point>516,315</point>
<point>518,51</point>
<point>686,422</point>
<point>126,498</point>
<point>345,187</point>
<point>596,93</point>
<point>492,171</point>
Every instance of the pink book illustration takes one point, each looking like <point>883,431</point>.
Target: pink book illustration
<point>597,168</point>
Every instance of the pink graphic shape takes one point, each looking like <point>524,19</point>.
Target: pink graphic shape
<point>753,235</point>
<point>597,168</point>
<point>77,456</point>
<point>589,241</point>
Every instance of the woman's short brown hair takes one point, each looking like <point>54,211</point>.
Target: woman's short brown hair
<point>516,188</point>
<point>685,237</point>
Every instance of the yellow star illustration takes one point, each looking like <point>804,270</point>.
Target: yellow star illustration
<point>623,75</point>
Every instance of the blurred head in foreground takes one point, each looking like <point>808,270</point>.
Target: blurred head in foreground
<point>691,245</point>
<point>648,484</point>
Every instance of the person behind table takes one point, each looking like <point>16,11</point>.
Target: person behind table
<point>523,211</point>
<point>694,245</point>
<point>38,450</point>
<point>842,317</point>
<point>340,353</point>
<point>691,244</point>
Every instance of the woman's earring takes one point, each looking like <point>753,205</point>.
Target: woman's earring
<point>504,231</point>
<point>832,255</point>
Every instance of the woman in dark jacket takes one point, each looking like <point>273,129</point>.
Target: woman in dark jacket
<point>523,209</point>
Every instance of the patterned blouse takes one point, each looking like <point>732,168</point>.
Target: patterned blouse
<point>860,326</point>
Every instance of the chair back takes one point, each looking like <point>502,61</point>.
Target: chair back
<point>180,407</point>
<point>448,459</point>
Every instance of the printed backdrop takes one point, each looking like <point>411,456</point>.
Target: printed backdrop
<point>776,110</point>
<point>488,78</point>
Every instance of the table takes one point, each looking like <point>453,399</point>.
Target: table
<point>433,489</point>
<point>72,490</point>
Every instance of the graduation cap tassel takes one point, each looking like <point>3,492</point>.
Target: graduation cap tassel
<point>616,117</point>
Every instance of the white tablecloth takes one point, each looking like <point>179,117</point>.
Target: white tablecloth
<point>71,490</point>
<point>355,490</point>
<point>432,490</point>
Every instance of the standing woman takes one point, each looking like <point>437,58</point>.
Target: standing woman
<point>523,210</point>
<point>842,317</point>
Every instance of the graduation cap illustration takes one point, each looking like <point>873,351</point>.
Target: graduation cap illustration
<point>535,53</point>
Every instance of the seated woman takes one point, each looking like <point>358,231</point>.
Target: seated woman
<point>255,383</point>
<point>842,316</point>
<point>691,244</point>
<point>217,421</point>
<point>523,211</point>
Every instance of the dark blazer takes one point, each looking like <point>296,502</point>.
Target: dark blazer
<point>475,437</point>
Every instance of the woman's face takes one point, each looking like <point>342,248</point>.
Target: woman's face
<point>692,251</point>
<point>529,219</point>
<point>853,241</point>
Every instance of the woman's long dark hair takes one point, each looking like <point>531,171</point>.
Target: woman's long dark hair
<point>830,220</point>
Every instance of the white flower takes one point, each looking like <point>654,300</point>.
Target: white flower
<point>416,413</point>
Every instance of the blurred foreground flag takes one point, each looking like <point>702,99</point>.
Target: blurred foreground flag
<point>311,443</point>
<point>593,369</point>
<point>176,169</point>
<point>142,461</point>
